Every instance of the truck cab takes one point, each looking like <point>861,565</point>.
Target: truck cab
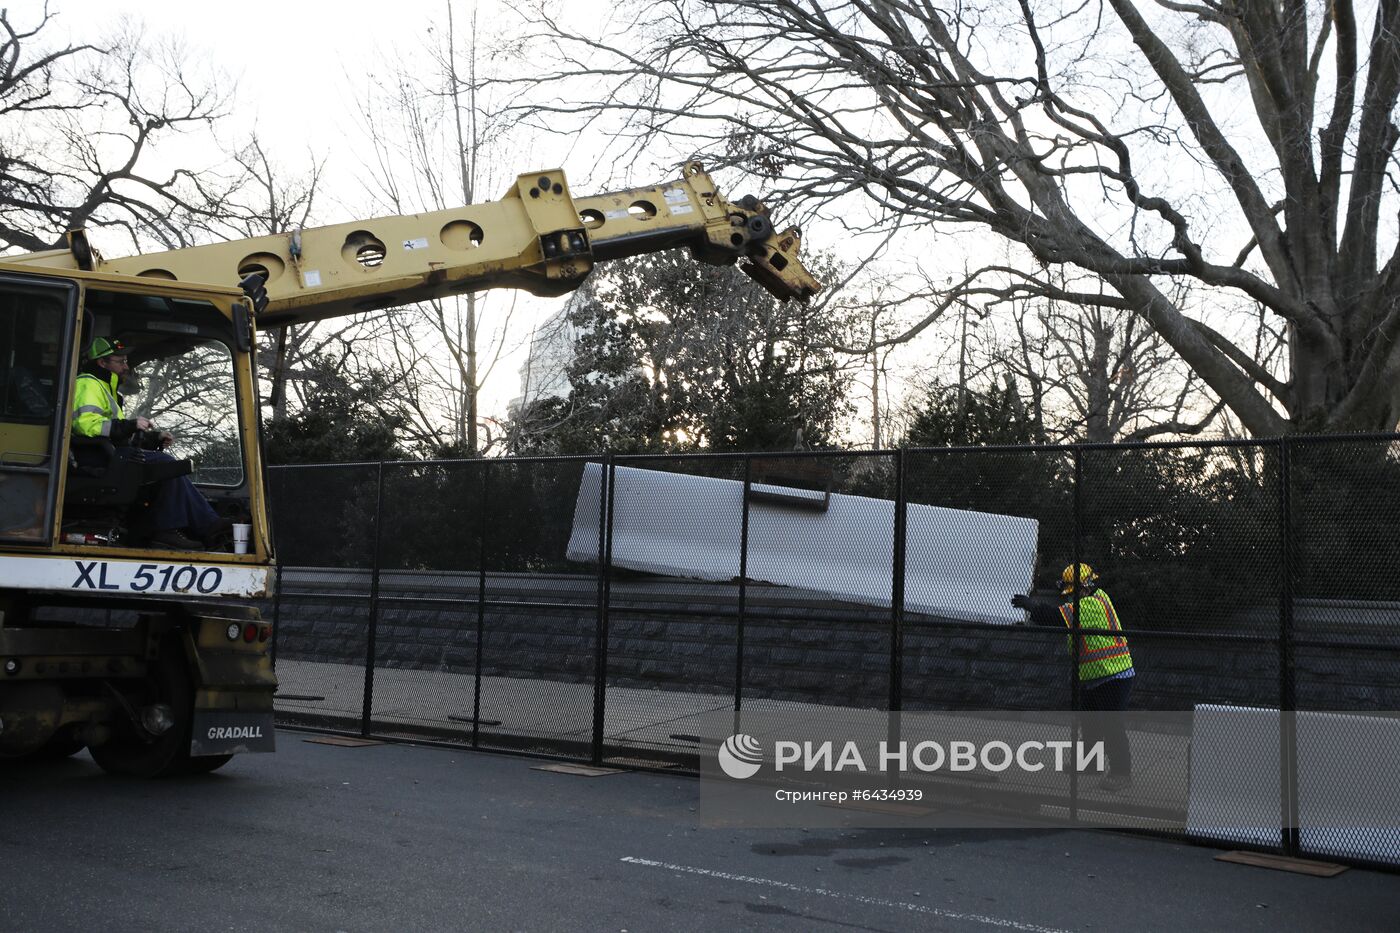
<point>105,640</point>
<point>191,374</point>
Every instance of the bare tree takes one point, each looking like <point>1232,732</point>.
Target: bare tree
<point>1119,379</point>
<point>1241,146</point>
<point>873,310</point>
<point>467,151</point>
<point>78,124</point>
<point>430,137</point>
<point>276,201</point>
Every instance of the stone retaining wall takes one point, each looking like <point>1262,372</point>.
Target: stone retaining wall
<point>682,636</point>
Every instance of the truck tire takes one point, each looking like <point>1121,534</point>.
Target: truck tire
<point>131,754</point>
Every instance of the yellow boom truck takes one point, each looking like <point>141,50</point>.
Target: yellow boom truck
<point>150,657</point>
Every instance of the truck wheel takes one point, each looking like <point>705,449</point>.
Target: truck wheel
<point>127,752</point>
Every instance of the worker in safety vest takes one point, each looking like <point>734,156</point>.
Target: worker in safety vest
<point>178,516</point>
<point>1105,665</point>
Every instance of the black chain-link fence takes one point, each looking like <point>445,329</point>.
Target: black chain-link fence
<point>588,608</point>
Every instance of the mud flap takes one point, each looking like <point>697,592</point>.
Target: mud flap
<point>229,732</point>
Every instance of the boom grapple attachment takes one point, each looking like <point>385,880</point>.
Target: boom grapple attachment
<point>778,268</point>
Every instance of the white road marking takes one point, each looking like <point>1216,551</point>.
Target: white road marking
<point>839,895</point>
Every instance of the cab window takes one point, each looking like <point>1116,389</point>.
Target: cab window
<point>35,318</point>
<point>182,376</point>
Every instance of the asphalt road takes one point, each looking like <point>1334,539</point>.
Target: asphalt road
<point>395,838</point>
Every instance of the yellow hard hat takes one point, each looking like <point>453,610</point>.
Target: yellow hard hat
<point>1087,578</point>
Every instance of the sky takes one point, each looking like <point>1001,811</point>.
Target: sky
<point>298,67</point>
<point>301,71</point>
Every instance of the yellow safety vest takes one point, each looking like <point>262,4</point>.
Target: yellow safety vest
<point>1099,655</point>
<point>95,405</point>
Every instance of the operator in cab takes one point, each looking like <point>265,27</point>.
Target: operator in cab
<point>176,515</point>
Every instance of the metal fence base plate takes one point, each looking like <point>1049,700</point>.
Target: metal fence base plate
<point>579,770</point>
<point>1301,866</point>
<point>344,741</point>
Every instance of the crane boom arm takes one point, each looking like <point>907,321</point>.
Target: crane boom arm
<point>537,238</point>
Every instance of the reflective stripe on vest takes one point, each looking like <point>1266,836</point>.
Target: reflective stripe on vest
<point>1099,655</point>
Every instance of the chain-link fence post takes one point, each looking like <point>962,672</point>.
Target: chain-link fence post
<point>743,592</point>
<point>897,562</point>
<point>276,607</point>
<point>899,543</point>
<point>269,510</point>
<point>480,601</point>
<point>1288,735</point>
<point>1076,555</point>
<point>600,669</point>
<point>373,601</point>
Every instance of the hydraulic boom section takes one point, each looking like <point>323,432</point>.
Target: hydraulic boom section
<point>537,238</point>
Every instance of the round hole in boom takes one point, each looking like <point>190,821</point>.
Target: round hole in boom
<point>461,234</point>
<point>165,274</point>
<point>253,268</point>
<point>268,265</point>
<point>641,210</point>
<point>591,219</point>
<point>363,248</point>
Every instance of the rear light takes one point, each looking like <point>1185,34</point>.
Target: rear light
<point>233,631</point>
<point>265,633</point>
<point>250,632</point>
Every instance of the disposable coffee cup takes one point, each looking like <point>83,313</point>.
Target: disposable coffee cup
<point>240,538</point>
